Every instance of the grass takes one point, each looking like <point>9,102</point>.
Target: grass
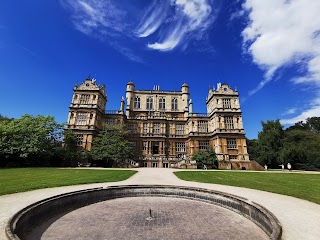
<point>25,179</point>
<point>299,185</point>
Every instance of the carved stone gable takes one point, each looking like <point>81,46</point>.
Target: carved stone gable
<point>89,85</point>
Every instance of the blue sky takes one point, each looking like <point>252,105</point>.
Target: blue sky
<point>269,50</point>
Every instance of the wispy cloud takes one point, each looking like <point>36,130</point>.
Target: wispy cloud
<point>164,24</point>
<point>281,33</point>
<point>102,19</point>
<point>126,52</point>
<point>312,111</point>
<point>29,51</point>
<point>96,16</point>
<point>289,111</point>
<point>154,16</point>
<point>188,19</point>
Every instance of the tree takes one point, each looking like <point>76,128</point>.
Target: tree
<point>205,157</point>
<point>252,146</point>
<point>301,148</point>
<point>2,118</point>
<point>111,146</point>
<point>270,143</point>
<point>29,137</point>
<point>69,151</point>
<point>311,124</point>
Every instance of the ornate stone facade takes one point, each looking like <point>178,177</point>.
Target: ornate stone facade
<point>163,128</point>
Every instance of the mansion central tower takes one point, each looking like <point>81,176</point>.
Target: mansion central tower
<point>163,128</point>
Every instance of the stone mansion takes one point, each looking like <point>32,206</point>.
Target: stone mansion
<point>162,126</point>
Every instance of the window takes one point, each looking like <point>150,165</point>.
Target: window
<point>145,128</point>
<point>79,140</point>
<point>156,128</point>
<point>162,103</point>
<point>233,157</point>
<point>133,145</point>
<point>229,122</point>
<point>144,146</point>
<point>132,127</point>
<point>179,129</point>
<point>202,126</point>
<point>81,119</point>
<point>203,145</point>
<point>232,143</point>
<point>84,99</point>
<point>180,147</point>
<point>226,103</point>
<point>174,104</point>
<point>136,103</point>
<point>149,103</point>
<point>110,121</point>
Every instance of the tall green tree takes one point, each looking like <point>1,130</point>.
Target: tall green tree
<point>2,118</point>
<point>110,145</point>
<point>270,143</point>
<point>29,137</point>
<point>301,148</point>
<point>205,157</point>
<point>311,124</point>
<point>252,145</point>
<point>70,152</point>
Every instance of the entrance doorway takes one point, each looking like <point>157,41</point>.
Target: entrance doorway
<point>155,147</point>
<point>155,164</point>
<point>166,165</point>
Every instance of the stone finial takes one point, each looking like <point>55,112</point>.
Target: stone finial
<point>122,104</point>
<point>190,106</point>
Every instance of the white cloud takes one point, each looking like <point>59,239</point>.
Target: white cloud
<point>289,111</point>
<point>154,16</point>
<point>314,111</point>
<point>188,19</point>
<point>280,33</point>
<point>167,24</point>
<point>96,16</point>
<point>102,19</point>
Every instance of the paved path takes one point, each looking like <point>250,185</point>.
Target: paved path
<point>300,219</point>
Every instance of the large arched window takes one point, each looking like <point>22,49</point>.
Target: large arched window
<point>162,103</point>
<point>149,103</point>
<point>136,103</point>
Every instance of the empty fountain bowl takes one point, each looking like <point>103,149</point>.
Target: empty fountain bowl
<point>144,212</point>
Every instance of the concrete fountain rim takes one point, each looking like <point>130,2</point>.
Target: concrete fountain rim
<point>42,210</point>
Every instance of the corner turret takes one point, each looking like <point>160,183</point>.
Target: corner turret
<point>185,98</point>
<point>129,97</point>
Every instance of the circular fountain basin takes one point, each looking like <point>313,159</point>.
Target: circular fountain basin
<point>144,212</point>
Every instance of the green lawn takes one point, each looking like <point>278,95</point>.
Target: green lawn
<point>304,186</point>
<point>24,179</point>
